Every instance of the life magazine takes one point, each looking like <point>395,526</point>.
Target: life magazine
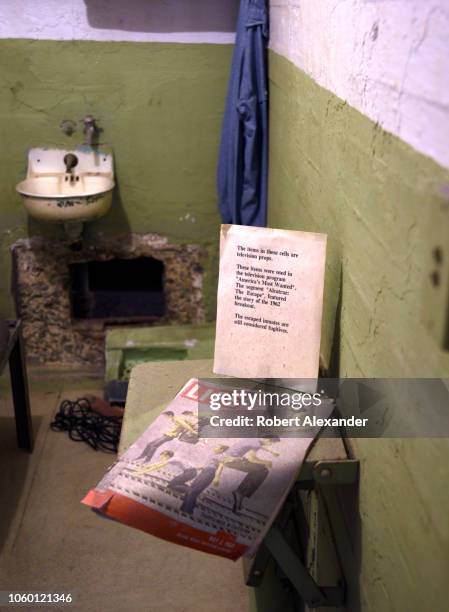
<point>217,495</point>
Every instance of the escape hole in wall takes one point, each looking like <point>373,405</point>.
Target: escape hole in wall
<point>118,290</point>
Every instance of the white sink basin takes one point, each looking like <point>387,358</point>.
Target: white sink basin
<point>51,193</point>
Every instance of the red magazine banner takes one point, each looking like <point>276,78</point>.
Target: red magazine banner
<point>135,514</point>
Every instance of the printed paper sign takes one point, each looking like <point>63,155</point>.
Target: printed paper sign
<point>270,297</point>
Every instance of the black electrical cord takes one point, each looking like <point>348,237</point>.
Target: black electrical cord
<point>85,425</point>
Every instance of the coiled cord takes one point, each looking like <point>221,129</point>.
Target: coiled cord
<point>84,425</point>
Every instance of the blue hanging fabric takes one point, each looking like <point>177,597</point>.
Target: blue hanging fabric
<point>242,175</point>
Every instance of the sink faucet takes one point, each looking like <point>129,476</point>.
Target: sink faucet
<point>70,162</point>
<point>90,129</point>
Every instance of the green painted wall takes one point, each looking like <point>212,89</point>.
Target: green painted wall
<point>160,106</point>
<point>333,170</point>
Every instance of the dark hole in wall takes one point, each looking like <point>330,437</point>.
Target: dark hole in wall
<point>118,289</point>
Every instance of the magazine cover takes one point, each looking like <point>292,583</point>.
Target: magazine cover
<point>218,495</point>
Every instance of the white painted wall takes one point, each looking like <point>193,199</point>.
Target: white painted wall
<point>387,58</point>
<point>190,21</point>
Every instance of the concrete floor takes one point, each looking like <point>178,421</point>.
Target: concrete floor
<point>49,542</point>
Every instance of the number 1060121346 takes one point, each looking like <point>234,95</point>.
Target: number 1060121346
<point>35,598</point>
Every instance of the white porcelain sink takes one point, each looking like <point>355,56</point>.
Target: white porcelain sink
<point>52,193</point>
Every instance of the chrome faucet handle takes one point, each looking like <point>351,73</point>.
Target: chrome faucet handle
<point>89,121</point>
<point>91,129</point>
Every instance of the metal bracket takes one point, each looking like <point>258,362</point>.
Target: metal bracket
<point>336,472</point>
<point>298,575</point>
<point>343,472</point>
<point>325,475</point>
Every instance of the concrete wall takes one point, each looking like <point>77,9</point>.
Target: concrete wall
<point>188,21</point>
<point>351,54</point>
<point>358,99</point>
<point>155,74</point>
<point>386,58</point>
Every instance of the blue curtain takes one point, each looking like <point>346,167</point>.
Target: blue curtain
<point>242,175</point>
